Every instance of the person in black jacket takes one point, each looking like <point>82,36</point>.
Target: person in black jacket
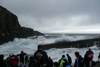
<point>50,62</point>
<point>33,62</point>
<point>41,56</point>
<point>87,59</point>
<point>22,55</point>
<point>3,63</point>
<point>69,59</point>
<point>78,60</point>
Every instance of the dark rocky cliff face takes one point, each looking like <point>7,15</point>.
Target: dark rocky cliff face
<point>10,27</point>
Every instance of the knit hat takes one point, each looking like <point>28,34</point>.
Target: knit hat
<point>39,55</point>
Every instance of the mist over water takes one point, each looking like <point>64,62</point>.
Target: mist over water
<point>29,45</point>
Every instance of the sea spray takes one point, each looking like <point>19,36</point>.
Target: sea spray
<point>29,45</point>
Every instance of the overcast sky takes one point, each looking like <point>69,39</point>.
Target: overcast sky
<point>63,16</point>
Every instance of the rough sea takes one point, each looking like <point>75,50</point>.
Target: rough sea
<point>29,45</point>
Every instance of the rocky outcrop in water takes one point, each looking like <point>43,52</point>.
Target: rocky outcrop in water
<point>76,44</point>
<point>10,27</point>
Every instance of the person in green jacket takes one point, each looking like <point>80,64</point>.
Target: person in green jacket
<point>61,63</point>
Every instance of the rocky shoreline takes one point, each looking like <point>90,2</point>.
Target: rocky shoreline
<point>10,27</point>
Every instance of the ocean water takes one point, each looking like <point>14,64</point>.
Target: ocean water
<point>29,45</point>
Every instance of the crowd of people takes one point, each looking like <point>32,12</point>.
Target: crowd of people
<point>41,59</point>
<point>13,60</point>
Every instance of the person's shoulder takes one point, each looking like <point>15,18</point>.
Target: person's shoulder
<point>38,51</point>
<point>41,51</point>
<point>80,57</point>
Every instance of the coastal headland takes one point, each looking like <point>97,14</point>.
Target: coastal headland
<point>10,27</point>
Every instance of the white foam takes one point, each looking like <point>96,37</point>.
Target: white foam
<point>29,45</point>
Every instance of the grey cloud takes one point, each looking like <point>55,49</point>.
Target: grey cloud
<point>55,15</point>
<point>45,8</point>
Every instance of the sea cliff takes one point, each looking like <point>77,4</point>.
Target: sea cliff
<point>10,27</point>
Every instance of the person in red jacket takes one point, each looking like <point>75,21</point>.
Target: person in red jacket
<point>14,61</point>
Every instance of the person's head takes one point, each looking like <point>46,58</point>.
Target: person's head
<point>87,52</point>
<point>9,55</point>
<point>89,49</point>
<point>13,55</point>
<point>63,56</point>
<point>67,55</point>
<point>22,52</point>
<point>77,54</point>
<point>32,57</point>
<point>39,47</point>
<point>49,57</point>
<point>1,57</point>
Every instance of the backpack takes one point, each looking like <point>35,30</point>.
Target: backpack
<point>14,61</point>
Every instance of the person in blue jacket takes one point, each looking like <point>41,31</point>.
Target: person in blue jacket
<point>78,60</point>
